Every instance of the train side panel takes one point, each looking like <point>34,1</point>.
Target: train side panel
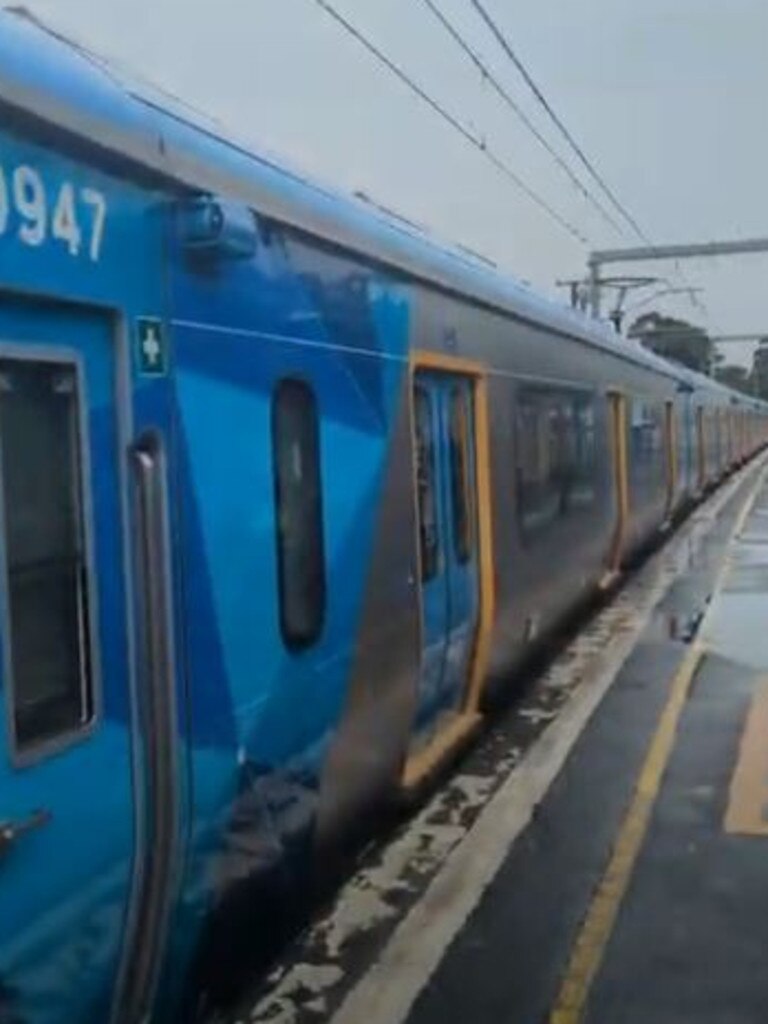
<point>289,383</point>
<point>550,465</point>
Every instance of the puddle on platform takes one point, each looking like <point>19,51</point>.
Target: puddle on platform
<point>682,626</point>
<point>739,628</point>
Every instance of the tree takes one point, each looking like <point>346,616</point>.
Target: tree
<point>760,369</point>
<point>734,376</point>
<point>676,340</point>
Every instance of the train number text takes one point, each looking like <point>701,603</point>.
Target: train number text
<point>71,217</point>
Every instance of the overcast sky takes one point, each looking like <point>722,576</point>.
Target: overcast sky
<point>667,97</point>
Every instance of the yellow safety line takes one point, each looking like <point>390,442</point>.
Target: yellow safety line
<point>597,927</point>
<point>747,812</point>
<point>588,950</point>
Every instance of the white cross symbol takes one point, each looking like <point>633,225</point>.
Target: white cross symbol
<point>151,345</point>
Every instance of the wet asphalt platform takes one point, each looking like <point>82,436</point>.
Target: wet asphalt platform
<point>614,870</point>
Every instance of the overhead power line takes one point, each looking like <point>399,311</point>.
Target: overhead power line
<point>506,46</point>
<point>466,133</point>
<point>595,174</point>
<point>489,77</point>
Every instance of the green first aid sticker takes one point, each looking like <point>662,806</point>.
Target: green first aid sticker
<point>151,347</point>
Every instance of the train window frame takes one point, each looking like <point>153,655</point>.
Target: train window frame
<point>297,639</point>
<point>529,393</point>
<point>23,754</point>
<point>462,487</point>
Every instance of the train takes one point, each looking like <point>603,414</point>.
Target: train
<point>288,493</point>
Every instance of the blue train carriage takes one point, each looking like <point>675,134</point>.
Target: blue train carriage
<point>252,634</point>
<point>222,638</point>
<point>205,449</point>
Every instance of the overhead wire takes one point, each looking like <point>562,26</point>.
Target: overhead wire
<point>504,94</point>
<point>449,118</point>
<point>506,46</point>
<point>502,40</point>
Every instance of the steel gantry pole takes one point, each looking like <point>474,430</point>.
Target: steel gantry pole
<point>602,257</point>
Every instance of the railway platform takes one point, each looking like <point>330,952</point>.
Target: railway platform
<point>602,856</point>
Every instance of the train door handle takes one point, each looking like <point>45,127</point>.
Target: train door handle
<point>11,831</point>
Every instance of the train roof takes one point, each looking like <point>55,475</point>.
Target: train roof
<point>58,82</point>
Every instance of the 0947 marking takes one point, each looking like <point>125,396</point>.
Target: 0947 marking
<point>69,216</point>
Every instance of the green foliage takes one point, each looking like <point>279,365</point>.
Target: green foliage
<point>685,343</point>
<point>760,369</point>
<point>734,376</point>
<point>676,340</point>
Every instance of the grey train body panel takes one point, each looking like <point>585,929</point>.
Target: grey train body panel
<point>369,747</point>
<point>529,597</point>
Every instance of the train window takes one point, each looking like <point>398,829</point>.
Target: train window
<point>299,514</point>
<point>556,462</point>
<point>461,473</point>
<point>648,458</point>
<point>582,492</point>
<point>426,483</point>
<point>48,598</point>
<point>647,430</point>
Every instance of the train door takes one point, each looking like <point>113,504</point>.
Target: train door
<point>450,595</point>
<point>66,799</point>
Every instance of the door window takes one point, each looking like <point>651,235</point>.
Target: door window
<point>47,589</point>
<point>461,474</point>
<point>647,455</point>
<point>426,483</point>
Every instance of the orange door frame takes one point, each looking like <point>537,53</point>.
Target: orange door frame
<point>421,765</point>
